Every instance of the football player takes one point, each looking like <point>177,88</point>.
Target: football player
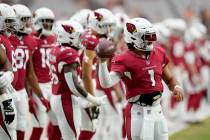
<point>64,60</point>
<point>7,65</point>
<point>100,23</point>
<point>43,21</point>
<point>24,44</point>
<point>142,69</point>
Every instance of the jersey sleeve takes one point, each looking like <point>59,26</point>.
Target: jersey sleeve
<point>89,41</point>
<point>117,65</point>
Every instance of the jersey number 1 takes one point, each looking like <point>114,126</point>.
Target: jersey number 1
<point>152,76</point>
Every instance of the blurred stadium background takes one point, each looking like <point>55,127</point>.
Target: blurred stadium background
<point>154,10</point>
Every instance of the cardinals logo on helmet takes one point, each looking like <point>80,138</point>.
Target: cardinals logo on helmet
<point>131,28</point>
<point>98,16</point>
<point>68,28</point>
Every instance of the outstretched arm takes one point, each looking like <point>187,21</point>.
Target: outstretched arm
<point>107,79</point>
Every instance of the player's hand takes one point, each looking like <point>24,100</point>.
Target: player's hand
<point>101,100</point>
<point>5,79</point>
<point>32,105</point>
<point>8,108</point>
<point>84,103</point>
<point>178,93</point>
<point>46,103</point>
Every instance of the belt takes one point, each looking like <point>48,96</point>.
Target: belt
<point>148,99</point>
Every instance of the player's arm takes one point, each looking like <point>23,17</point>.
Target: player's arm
<point>34,85</point>
<point>71,78</point>
<point>6,101</point>
<point>107,79</point>
<point>87,70</point>
<point>172,83</point>
<point>32,79</point>
<point>6,75</point>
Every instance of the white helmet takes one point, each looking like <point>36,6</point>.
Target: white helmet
<point>192,35</point>
<point>24,17</point>
<point>163,33</point>
<point>101,20</point>
<point>69,32</point>
<point>82,16</point>
<point>140,33</point>
<point>7,17</point>
<point>117,30</point>
<point>43,20</point>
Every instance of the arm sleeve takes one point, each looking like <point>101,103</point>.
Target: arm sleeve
<point>107,79</point>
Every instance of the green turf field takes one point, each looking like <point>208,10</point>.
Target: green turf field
<point>194,132</point>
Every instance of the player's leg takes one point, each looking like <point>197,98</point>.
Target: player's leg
<point>133,122</point>
<point>41,120</point>
<point>87,128</point>
<point>66,109</point>
<point>161,128</point>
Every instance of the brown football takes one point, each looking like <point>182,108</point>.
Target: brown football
<point>105,49</point>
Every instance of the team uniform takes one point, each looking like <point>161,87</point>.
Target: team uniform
<point>42,71</point>
<point>65,103</point>
<point>143,77</point>
<point>8,132</point>
<point>24,47</point>
<point>108,112</point>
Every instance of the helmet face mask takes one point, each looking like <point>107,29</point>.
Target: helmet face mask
<point>44,20</point>
<point>8,18</point>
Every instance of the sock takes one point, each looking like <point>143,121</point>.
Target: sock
<point>20,135</point>
<point>36,133</point>
<point>86,135</point>
<point>54,133</point>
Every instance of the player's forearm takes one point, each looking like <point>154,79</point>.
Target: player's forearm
<point>106,78</point>
<point>87,76</point>
<point>77,89</point>
<point>33,82</point>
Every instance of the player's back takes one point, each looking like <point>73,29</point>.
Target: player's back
<point>60,56</point>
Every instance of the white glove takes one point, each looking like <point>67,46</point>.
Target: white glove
<point>96,100</point>
<point>84,103</point>
<point>6,79</point>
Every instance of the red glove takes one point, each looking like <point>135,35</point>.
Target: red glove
<point>32,105</point>
<point>46,103</point>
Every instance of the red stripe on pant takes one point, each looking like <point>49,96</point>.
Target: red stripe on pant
<point>2,124</point>
<point>68,111</point>
<point>128,120</point>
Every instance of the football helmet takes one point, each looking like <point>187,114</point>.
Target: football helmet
<point>7,18</point>
<point>24,18</point>
<point>101,21</point>
<point>140,33</point>
<point>163,33</point>
<point>117,31</point>
<point>82,17</point>
<point>69,32</point>
<point>44,20</point>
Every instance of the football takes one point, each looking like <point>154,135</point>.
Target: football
<point>105,49</point>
